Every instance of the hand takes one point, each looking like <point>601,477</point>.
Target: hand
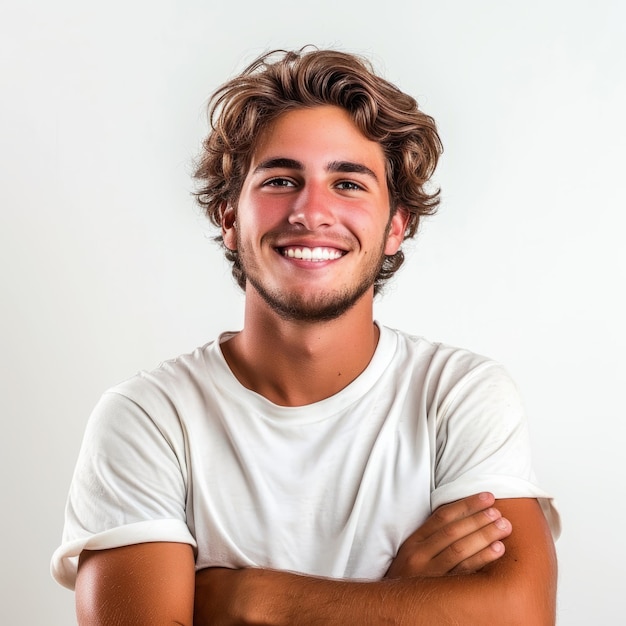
<point>458,538</point>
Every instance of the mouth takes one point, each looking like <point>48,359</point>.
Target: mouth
<point>316,254</point>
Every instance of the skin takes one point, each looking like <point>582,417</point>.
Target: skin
<point>515,588</point>
<point>450,571</point>
<point>316,182</point>
<point>322,196</point>
<point>147,583</point>
<point>309,205</point>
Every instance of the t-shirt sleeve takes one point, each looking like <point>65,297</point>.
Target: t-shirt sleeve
<point>483,442</point>
<point>129,484</point>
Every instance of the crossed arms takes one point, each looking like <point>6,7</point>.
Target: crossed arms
<point>473,562</point>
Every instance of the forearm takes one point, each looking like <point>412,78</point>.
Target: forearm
<point>276,598</point>
<point>518,588</point>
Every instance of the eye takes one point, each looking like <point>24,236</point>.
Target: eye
<point>348,185</point>
<point>278,182</point>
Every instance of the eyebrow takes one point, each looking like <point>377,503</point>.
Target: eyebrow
<point>351,168</point>
<point>347,167</point>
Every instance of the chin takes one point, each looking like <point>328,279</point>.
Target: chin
<point>305,308</point>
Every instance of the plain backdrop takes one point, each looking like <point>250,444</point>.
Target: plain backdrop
<point>108,266</point>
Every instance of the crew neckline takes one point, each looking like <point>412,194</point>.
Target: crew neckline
<point>316,411</point>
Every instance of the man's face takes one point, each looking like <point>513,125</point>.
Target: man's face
<point>312,224</point>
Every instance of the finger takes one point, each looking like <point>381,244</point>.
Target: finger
<point>463,537</point>
<point>474,550</point>
<point>449,513</point>
<point>483,558</point>
<point>471,551</point>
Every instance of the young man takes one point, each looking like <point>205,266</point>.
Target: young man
<point>288,473</point>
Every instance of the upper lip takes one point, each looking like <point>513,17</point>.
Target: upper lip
<point>300,242</point>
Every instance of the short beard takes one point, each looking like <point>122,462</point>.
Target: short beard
<point>328,306</point>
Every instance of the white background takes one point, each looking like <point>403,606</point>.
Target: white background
<point>108,267</point>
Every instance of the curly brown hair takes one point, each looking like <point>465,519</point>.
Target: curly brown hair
<point>279,81</point>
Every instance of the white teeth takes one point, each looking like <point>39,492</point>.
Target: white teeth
<point>312,254</point>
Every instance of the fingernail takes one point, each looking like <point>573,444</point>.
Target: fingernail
<point>485,495</point>
<point>497,546</point>
<point>502,524</point>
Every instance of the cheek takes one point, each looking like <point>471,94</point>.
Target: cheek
<point>262,215</point>
<point>371,231</point>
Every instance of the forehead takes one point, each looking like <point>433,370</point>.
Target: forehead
<point>316,132</point>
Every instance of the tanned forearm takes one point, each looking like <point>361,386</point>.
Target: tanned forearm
<point>280,598</point>
<point>519,588</point>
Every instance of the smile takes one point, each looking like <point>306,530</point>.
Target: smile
<point>311,254</point>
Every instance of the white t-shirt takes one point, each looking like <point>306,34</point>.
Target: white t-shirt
<point>185,453</point>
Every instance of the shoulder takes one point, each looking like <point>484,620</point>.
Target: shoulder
<point>174,378</point>
<point>441,362</point>
<point>448,377</point>
<point>161,397</point>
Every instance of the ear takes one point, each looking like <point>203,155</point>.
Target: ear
<point>397,228</point>
<point>229,229</point>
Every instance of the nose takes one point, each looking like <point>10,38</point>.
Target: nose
<point>313,207</point>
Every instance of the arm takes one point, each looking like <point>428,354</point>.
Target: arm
<point>458,538</point>
<point>153,583</point>
<point>518,588</point>
<point>136,585</point>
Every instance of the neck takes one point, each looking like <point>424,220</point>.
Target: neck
<point>294,363</point>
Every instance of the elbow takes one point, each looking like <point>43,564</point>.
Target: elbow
<point>529,605</point>
<point>526,599</point>
<point>530,612</point>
